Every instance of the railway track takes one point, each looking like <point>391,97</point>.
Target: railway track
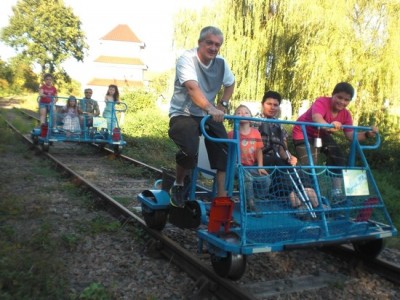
<point>109,177</point>
<point>112,178</point>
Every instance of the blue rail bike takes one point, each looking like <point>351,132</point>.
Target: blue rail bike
<point>231,229</point>
<point>82,128</point>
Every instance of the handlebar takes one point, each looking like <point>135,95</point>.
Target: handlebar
<point>374,146</point>
<point>237,119</point>
<point>118,106</point>
<point>217,140</point>
<point>120,109</point>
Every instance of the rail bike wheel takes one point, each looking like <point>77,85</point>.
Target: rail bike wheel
<point>369,249</point>
<point>117,149</point>
<point>45,147</point>
<point>155,219</point>
<point>35,140</point>
<point>233,265</point>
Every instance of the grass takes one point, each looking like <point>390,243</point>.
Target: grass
<point>125,201</point>
<point>29,268</point>
<point>31,245</point>
<point>71,240</point>
<point>10,205</point>
<point>100,224</point>
<point>95,291</point>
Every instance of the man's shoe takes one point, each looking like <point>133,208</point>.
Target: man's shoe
<point>177,194</point>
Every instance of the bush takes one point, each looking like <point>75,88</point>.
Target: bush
<point>140,100</point>
<point>146,133</point>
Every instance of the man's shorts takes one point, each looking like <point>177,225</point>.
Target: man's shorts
<point>185,132</point>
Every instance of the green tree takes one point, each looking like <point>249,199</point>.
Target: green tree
<point>6,76</point>
<point>24,79</point>
<point>139,100</point>
<point>162,84</point>
<point>47,33</point>
<point>302,48</point>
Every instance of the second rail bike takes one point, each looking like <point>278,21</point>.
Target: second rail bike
<point>85,129</point>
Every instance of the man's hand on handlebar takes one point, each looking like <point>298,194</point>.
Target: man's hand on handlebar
<point>216,114</point>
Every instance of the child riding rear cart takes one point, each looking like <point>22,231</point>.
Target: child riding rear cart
<point>66,122</point>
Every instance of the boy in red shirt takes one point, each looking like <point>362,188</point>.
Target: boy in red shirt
<point>329,110</point>
<point>48,94</point>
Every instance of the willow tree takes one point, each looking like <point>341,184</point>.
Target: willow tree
<point>302,48</point>
<point>45,32</point>
<point>239,38</point>
<point>389,73</point>
<point>245,48</point>
<point>187,26</point>
<point>372,64</point>
<point>311,45</point>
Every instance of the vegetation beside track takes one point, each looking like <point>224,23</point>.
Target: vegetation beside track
<point>37,232</point>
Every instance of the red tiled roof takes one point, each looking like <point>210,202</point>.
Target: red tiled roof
<point>119,60</point>
<point>122,33</point>
<point>119,83</point>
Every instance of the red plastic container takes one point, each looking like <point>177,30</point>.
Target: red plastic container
<point>43,130</point>
<point>116,135</point>
<point>220,214</point>
<point>365,213</point>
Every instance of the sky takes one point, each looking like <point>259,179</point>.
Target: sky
<point>150,20</point>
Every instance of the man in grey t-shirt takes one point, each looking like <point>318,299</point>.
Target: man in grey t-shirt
<point>200,75</point>
<point>89,107</point>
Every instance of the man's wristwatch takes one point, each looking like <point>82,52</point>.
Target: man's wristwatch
<point>224,103</point>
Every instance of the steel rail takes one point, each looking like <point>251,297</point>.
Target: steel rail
<point>382,267</point>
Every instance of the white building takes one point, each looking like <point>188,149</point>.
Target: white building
<point>118,62</point>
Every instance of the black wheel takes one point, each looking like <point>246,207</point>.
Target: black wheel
<point>45,147</point>
<point>117,149</point>
<point>35,140</point>
<point>369,249</point>
<point>155,219</point>
<point>233,265</point>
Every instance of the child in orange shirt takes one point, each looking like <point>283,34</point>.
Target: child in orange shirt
<point>251,146</point>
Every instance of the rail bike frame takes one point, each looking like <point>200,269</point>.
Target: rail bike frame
<point>231,231</point>
<point>103,132</point>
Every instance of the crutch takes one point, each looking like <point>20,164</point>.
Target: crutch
<point>302,193</point>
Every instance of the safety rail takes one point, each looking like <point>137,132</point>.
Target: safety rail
<point>358,213</point>
<point>78,125</point>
